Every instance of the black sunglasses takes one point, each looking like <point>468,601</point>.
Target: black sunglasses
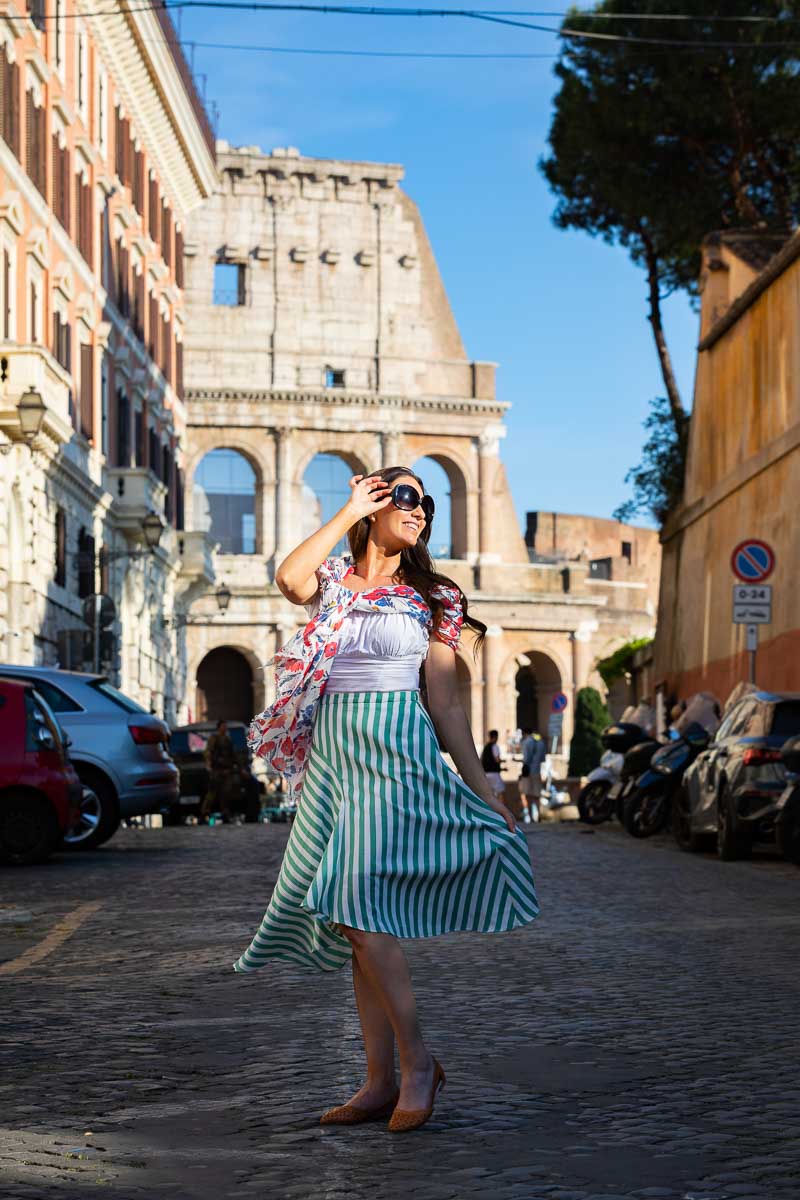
<point>407,498</point>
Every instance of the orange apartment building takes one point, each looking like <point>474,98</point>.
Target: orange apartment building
<point>104,150</point>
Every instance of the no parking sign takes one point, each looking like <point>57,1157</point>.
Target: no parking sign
<point>753,561</point>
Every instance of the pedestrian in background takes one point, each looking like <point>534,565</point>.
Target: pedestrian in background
<point>221,762</point>
<point>387,842</point>
<point>492,763</point>
<point>530,778</point>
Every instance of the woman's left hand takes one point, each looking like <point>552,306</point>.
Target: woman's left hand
<point>497,806</point>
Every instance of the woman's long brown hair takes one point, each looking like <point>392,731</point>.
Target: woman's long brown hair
<point>416,568</point>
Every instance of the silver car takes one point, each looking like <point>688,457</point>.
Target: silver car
<point>118,749</point>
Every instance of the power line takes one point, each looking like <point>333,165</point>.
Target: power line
<point>496,18</point>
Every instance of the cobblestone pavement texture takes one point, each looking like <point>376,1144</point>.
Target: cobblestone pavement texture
<point>640,1040</point>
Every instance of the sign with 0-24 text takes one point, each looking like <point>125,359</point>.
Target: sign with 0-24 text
<point>752,603</point>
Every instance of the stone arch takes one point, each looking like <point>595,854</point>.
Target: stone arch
<point>323,489</point>
<point>356,464</point>
<point>458,477</point>
<point>536,681</point>
<point>226,684</point>
<point>238,519</point>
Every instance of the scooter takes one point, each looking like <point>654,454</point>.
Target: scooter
<point>593,805</point>
<point>648,808</point>
<point>787,821</point>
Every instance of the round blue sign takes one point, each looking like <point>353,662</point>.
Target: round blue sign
<point>753,561</point>
<point>558,703</point>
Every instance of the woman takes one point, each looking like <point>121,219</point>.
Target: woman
<point>387,842</point>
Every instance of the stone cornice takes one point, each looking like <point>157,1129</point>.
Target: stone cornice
<point>343,399</point>
<point>147,78</point>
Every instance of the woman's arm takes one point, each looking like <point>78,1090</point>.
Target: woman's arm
<point>296,576</point>
<point>451,720</point>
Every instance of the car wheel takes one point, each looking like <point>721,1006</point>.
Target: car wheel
<point>788,834</point>
<point>29,830</point>
<point>731,842</point>
<point>101,821</point>
<point>682,825</point>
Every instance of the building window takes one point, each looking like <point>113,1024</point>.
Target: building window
<point>334,378</point>
<point>104,377</point>
<point>7,289</point>
<point>166,235</point>
<point>179,258</point>
<point>62,341</point>
<point>9,101</point>
<point>84,219</point>
<point>36,151</point>
<point>102,112</point>
<point>87,390</point>
<point>228,284</point>
<point>627,550</point>
<point>58,34</point>
<point>123,430</point>
<point>122,281</point>
<point>61,181</point>
<point>35,309</point>
<point>224,498</point>
<point>81,71</point>
<point>153,450</point>
<point>61,548</point>
<point>85,564</point>
<point>138,181</point>
<point>153,209</point>
<point>138,437</point>
<point>36,13</point>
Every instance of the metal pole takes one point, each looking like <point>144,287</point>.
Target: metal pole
<point>98,600</point>
<point>752,666</point>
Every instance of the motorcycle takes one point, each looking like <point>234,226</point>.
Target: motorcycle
<point>598,797</point>
<point>648,808</point>
<point>787,821</point>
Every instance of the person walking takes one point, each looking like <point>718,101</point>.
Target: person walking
<point>221,762</point>
<point>492,763</point>
<point>388,843</point>
<point>534,753</point>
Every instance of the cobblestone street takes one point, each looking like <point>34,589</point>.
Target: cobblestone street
<point>639,1040</point>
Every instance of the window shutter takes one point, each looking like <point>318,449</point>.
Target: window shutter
<point>179,258</point>
<point>6,294</point>
<point>152,343</point>
<point>153,213</point>
<point>179,368</point>
<point>166,235</point>
<point>61,548</point>
<point>123,431</point>
<point>87,390</point>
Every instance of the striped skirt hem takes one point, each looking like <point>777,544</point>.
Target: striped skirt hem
<point>389,840</point>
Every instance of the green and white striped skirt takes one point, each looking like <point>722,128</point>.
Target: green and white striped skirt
<point>387,838</point>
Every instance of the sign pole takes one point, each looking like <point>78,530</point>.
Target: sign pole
<point>752,647</point>
<point>98,600</point>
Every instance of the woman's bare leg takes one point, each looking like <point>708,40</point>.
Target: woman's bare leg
<point>378,1035</point>
<point>383,966</point>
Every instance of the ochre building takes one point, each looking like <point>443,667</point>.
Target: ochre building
<point>104,150</point>
<point>743,473</point>
<point>319,332</point>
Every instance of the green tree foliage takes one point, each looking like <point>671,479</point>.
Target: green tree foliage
<point>657,482</point>
<point>591,718</point>
<point>614,667</point>
<point>653,148</point>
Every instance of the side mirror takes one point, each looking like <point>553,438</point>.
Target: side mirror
<point>44,738</point>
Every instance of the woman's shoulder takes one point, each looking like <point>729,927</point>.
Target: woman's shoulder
<point>334,568</point>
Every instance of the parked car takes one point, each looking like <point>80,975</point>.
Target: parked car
<point>732,790</point>
<point>787,818</point>
<point>119,750</point>
<point>187,745</point>
<point>40,791</point>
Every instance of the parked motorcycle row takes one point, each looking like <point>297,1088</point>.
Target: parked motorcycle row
<point>78,757</point>
<point>732,780</point>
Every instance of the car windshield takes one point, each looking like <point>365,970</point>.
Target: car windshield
<point>786,719</point>
<point>111,693</point>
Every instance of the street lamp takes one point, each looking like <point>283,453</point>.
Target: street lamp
<point>152,529</point>
<point>31,411</point>
<point>223,598</point>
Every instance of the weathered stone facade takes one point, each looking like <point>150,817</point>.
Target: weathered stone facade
<point>341,340</point>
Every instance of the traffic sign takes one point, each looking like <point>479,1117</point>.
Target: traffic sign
<point>99,605</point>
<point>752,604</point>
<point>558,703</point>
<point>555,724</point>
<point>753,561</point>
<point>752,638</point>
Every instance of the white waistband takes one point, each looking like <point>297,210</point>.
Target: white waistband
<point>352,673</point>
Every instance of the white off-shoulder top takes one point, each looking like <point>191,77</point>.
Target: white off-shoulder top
<point>377,652</point>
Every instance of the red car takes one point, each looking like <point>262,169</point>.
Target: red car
<point>40,793</point>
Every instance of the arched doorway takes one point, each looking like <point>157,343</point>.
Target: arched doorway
<point>444,481</point>
<point>325,491</point>
<point>537,681</point>
<point>224,501</point>
<point>224,686</point>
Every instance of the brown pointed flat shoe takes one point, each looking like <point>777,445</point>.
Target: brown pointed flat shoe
<point>405,1119</point>
<point>349,1114</point>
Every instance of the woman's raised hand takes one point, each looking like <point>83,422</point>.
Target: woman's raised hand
<point>368,494</point>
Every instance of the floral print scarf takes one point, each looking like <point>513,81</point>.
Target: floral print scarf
<point>282,733</point>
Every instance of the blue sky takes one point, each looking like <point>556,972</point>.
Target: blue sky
<point>562,314</point>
